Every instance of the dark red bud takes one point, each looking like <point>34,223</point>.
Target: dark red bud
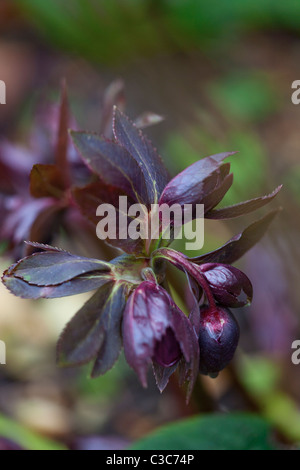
<point>218,339</point>
<point>230,286</point>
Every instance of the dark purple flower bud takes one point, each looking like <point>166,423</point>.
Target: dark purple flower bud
<point>155,329</point>
<point>230,286</point>
<point>218,339</point>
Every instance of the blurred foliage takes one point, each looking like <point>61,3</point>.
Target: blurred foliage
<point>261,377</point>
<point>118,30</point>
<point>24,437</point>
<point>291,181</point>
<point>249,97</point>
<point>106,387</point>
<point>236,431</point>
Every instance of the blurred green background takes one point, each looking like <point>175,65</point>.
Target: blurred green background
<point>220,72</point>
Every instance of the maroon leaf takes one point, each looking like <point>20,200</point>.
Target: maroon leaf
<point>91,196</point>
<point>240,244</point>
<point>141,149</point>
<point>87,334</point>
<point>78,285</point>
<point>111,323</point>
<point>212,199</point>
<point>243,207</point>
<point>193,184</point>
<point>113,164</point>
<point>54,267</point>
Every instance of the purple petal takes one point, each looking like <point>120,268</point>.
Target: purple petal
<point>243,207</point>
<point>230,286</point>
<point>141,149</point>
<point>113,164</point>
<point>240,244</point>
<point>146,319</point>
<point>195,182</point>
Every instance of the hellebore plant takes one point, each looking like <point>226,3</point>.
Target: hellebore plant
<point>132,306</point>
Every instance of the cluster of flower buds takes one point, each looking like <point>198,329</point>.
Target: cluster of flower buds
<point>132,306</point>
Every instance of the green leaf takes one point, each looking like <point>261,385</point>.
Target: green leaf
<point>27,439</point>
<point>238,431</point>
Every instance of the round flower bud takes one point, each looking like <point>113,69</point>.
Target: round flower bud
<point>218,339</point>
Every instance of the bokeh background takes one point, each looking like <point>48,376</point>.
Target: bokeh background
<point>220,73</point>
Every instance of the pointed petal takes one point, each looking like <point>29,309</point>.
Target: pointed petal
<point>113,164</point>
<point>195,182</point>
<point>242,208</point>
<point>85,333</point>
<point>240,244</point>
<point>111,323</point>
<point>143,152</point>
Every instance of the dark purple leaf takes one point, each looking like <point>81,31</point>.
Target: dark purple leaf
<point>141,149</point>
<point>195,182</point>
<point>230,286</point>
<point>113,164</point>
<point>243,207</point>
<point>86,334</point>
<point>200,183</point>
<point>212,199</point>
<point>54,267</point>
<point>111,323</point>
<point>240,244</point>
<point>91,196</point>
<point>78,285</point>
